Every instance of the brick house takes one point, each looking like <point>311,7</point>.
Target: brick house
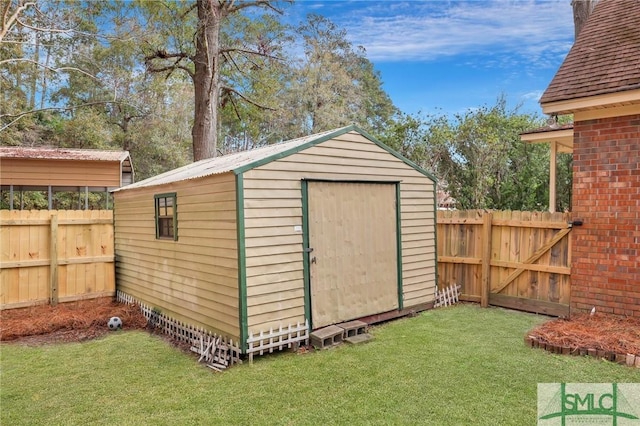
<point>599,84</point>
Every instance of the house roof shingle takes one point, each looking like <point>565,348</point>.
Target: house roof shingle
<point>605,58</point>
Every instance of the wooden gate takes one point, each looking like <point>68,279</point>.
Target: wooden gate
<point>353,266</point>
<point>512,259</point>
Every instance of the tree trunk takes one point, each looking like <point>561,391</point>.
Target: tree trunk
<point>206,81</point>
<point>581,11</point>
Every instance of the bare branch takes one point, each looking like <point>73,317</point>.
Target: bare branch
<point>171,68</point>
<point>189,9</point>
<point>164,55</point>
<point>8,20</point>
<point>226,90</point>
<point>55,70</point>
<point>235,107</point>
<point>260,3</point>
<point>44,30</point>
<point>250,52</point>
<point>233,61</point>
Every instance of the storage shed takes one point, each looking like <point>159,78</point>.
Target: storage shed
<point>322,229</point>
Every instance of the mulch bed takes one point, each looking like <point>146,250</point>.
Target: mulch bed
<point>68,322</point>
<point>600,335</point>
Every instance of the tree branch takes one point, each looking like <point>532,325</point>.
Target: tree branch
<point>44,30</point>
<point>250,52</point>
<point>164,55</point>
<point>259,3</point>
<point>55,70</point>
<point>189,9</point>
<point>226,90</point>
<point>8,22</point>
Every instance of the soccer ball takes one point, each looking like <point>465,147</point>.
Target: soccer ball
<point>115,323</point>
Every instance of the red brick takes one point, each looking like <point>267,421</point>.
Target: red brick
<point>606,195</point>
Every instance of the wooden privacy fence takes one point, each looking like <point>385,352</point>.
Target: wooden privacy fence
<point>512,259</point>
<point>49,256</point>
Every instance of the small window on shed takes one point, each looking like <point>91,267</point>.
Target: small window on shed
<point>166,217</point>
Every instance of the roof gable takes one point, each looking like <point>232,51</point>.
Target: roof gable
<point>605,58</point>
<point>243,161</point>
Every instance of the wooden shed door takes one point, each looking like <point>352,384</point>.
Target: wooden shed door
<point>353,265</point>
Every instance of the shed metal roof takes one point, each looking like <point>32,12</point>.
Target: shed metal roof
<point>246,160</point>
<point>45,153</point>
<point>605,58</point>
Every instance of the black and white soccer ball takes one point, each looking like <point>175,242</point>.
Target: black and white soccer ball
<point>114,323</point>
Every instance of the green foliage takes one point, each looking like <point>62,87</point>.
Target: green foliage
<point>86,129</point>
<point>335,84</point>
<point>479,157</point>
<point>277,83</point>
<point>39,200</point>
<point>460,365</point>
<point>564,181</point>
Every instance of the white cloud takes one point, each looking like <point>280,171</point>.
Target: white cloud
<point>430,30</point>
<point>532,96</point>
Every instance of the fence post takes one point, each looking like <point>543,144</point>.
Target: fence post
<point>487,218</point>
<point>53,262</point>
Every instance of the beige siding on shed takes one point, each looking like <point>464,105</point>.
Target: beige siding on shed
<point>273,221</point>
<point>194,279</point>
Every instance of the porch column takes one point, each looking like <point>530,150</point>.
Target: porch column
<point>552,177</point>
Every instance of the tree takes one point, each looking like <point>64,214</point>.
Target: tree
<point>34,53</point>
<point>335,84</point>
<point>201,55</point>
<point>246,125</point>
<point>479,158</point>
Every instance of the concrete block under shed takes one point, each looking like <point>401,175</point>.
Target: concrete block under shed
<point>327,337</point>
<point>353,328</point>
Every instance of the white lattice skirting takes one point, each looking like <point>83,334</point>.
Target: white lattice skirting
<point>218,352</point>
<point>447,296</point>
<point>282,338</point>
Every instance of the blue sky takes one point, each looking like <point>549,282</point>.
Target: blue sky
<point>438,56</point>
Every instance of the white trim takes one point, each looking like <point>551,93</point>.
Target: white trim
<point>629,99</point>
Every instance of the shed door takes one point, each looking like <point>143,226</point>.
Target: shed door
<point>353,265</point>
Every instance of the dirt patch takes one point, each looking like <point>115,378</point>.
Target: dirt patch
<point>585,333</point>
<point>68,322</point>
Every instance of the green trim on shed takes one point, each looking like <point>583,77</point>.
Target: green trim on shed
<point>325,138</point>
<point>435,231</point>
<point>304,185</point>
<point>242,264</point>
<point>305,240</point>
<point>174,208</point>
<point>399,249</point>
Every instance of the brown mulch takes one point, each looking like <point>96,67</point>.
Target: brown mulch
<point>84,320</point>
<point>68,322</point>
<point>603,332</point>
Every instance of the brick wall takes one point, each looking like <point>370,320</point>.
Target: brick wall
<point>605,269</point>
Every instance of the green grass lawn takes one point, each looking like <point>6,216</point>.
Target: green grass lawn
<point>458,365</point>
